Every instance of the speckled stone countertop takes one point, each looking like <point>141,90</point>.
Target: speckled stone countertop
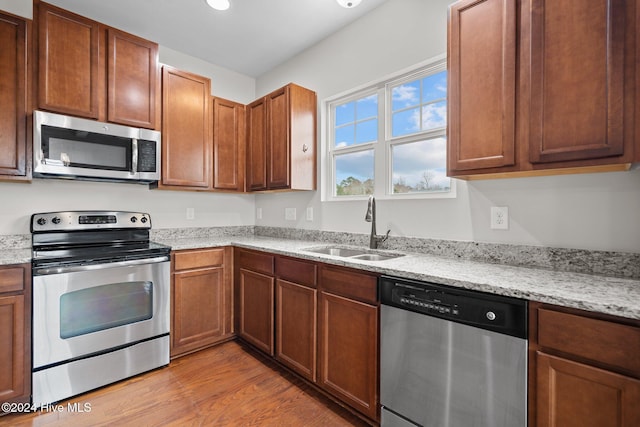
<point>601,293</point>
<point>610,295</point>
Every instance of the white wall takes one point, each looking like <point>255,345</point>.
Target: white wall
<point>167,208</point>
<point>595,211</point>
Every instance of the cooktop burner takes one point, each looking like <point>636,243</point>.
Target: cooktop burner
<point>87,237</point>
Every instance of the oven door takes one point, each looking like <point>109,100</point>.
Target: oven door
<point>85,310</point>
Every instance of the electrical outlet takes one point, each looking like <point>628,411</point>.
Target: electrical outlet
<point>191,213</point>
<point>259,213</point>
<point>290,214</point>
<point>309,213</point>
<point>499,218</point>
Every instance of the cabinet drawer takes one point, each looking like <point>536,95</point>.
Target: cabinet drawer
<point>256,261</point>
<point>198,259</point>
<point>297,271</point>
<point>613,344</point>
<point>12,279</point>
<point>349,283</point>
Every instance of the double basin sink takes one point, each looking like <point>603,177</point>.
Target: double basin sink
<point>353,253</point>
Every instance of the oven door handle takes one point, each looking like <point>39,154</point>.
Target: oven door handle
<point>90,267</point>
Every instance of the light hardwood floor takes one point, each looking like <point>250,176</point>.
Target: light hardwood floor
<point>227,385</point>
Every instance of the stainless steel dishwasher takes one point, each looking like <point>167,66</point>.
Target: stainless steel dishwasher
<point>451,357</point>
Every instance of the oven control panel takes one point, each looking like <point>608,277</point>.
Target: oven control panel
<point>89,220</point>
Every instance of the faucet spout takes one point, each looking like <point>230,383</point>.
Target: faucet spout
<point>370,216</point>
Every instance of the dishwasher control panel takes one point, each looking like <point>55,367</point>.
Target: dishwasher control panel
<point>487,311</point>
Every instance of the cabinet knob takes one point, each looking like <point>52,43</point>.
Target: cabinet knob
<point>304,148</point>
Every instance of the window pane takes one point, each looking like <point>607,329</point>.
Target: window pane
<point>420,167</point>
<point>406,95</point>
<point>344,136</point>
<point>434,87</point>
<point>405,122</point>
<point>434,115</point>
<point>367,131</point>
<point>345,113</point>
<point>367,107</point>
<point>354,173</point>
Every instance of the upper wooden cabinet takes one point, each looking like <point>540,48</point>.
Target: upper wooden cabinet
<point>228,145</point>
<point>133,86</point>
<point>89,70</point>
<point>186,130</point>
<point>482,84</point>
<point>281,140</point>
<point>536,86</point>
<point>14,150</point>
<point>256,176</point>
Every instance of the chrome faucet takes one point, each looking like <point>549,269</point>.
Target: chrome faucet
<point>370,216</point>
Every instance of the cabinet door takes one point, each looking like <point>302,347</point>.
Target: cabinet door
<point>228,145</point>
<point>257,145</point>
<point>12,350</point>
<point>256,309</point>
<point>13,97</point>
<point>577,79</point>
<point>481,84</point>
<point>186,129</point>
<point>348,358</point>
<point>199,309</point>
<point>572,394</point>
<point>296,327</point>
<point>133,84</point>
<point>278,142</point>
<point>68,62</point>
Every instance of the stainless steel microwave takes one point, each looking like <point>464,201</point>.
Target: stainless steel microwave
<point>70,147</point>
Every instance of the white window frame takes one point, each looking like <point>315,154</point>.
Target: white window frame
<point>383,185</point>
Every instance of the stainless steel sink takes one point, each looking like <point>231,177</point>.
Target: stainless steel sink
<point>337,251</point>
<point>376,257</point>
<point>354,253</point>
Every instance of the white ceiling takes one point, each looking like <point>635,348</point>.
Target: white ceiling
<point>251,37</point>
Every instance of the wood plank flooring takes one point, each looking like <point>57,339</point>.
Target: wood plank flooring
<point>227,385</point>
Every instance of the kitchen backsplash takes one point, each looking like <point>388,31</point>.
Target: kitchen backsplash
<point>616,264</point>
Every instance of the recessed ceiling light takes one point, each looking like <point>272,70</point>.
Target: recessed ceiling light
<point>348,3</point>
<point>220,4</point>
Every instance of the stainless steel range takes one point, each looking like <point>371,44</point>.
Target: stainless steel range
<point>100,301</point>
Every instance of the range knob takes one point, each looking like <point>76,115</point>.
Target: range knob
<point>41,221</point>
<point>56,220</point>
<point>143,220</point>
<point>134,219</point>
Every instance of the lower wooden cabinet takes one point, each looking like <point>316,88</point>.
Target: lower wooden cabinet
<point>296,315</point>
<point>323,320</point>
<point>584,369</point>
<point>15,333</point>
<point>348,338</point>
<point>255,292</point>
<point>202,307</point>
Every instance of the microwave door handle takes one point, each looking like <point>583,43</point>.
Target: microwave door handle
<point>134,155</point>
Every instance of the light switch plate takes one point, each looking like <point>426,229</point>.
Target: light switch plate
<point>290,214</point>
<point>191,213</point>
<point>309,213</point>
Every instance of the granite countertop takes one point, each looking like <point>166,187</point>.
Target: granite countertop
<point>609,295</point>
<point>15,256</point>
<point>598,293</point>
